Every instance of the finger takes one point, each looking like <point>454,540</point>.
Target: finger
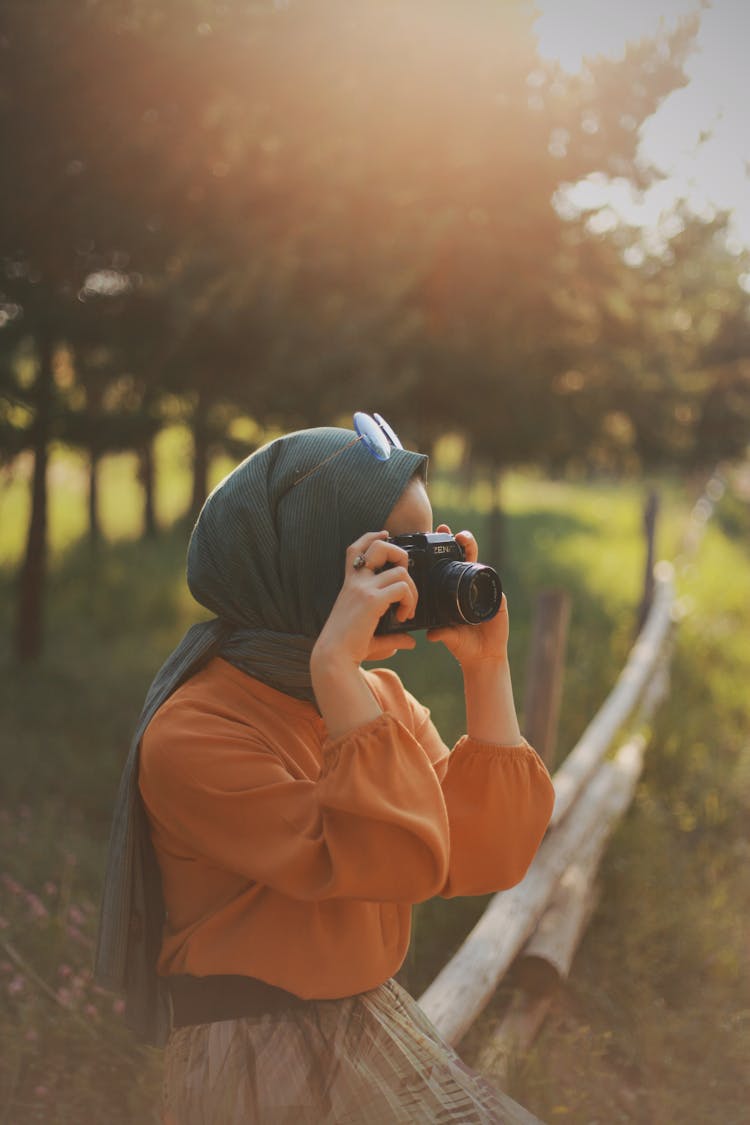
<point>384,647</point>
<point>401,588</point>
<point>381,552</point>
<point>365,541</point>
<point>469,544</point>
<point>443,529</point>
<point>397,593</point>
<point>398,598</point>
<point>360,546</point>
<point>439,634</point>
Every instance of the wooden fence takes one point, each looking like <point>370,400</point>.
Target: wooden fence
<point>539,923</point>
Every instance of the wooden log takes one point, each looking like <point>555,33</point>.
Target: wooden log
<point>514,1036</point>
<point>547,956</point>
<point>641,665</point>
<point>544,677</point>
<point>538,978</point>
<point>461,990</point>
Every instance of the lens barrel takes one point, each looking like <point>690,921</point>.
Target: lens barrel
<point>466,592</point>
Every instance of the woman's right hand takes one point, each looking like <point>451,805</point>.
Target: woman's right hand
<point>347,638</point>
<point>366,594</point>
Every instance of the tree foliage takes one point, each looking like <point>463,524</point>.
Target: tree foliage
<point>290,211</point>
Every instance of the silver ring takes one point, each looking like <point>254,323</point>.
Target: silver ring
<point>359,562</point>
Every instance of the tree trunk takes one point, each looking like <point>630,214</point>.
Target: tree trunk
<point>94,421</point>
<point>200,455</point>
<point>467,471</point>
<point>95,531</point>
<point>147,476</point>
<point>30,605</point>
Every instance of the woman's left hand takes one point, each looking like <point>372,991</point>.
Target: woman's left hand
<point>474,644</point>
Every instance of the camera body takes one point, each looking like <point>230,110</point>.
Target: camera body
<point>451,591</point>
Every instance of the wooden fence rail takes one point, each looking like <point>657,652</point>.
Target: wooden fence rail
<point>642,663</point>
<point>461,990</point>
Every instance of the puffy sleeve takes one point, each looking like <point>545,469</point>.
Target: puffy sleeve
<point>373,826</point>
<point>499,800</point>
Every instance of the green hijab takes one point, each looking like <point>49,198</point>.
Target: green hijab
<point>266,556</point>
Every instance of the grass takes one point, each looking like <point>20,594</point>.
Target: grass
<point>665,948</point>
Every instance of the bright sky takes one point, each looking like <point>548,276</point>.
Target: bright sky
<point>709,173</point>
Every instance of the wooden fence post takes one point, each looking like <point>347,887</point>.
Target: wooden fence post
<point>495,548</point>
<point>544,677</point>
<point>650,512</point>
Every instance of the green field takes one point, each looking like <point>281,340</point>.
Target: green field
<point>654,1025</point>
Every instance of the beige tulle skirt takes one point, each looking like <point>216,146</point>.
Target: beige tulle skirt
<point>373,1059</point>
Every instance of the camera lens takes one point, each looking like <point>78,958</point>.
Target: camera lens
<point>466,592</point>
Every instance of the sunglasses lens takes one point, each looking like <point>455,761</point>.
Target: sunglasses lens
<point>389,433</point>
<point>372,436</point>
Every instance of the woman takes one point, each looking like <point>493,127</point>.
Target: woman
<point>282,809</point>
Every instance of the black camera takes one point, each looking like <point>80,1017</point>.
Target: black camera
<point>451,591</point>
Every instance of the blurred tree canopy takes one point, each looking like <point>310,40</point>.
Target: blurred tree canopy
<point>288,211</point>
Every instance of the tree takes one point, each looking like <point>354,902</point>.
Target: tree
<point>74,205</point>
<point>660,365</point>
<point>416,162</point>
<point>384,231</point>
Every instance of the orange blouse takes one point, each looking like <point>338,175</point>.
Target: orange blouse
<point>295,859</point>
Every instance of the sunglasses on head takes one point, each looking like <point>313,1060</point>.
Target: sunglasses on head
<point>378,438</point>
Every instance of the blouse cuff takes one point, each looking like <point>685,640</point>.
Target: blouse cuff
<point>521,750</point>
<point>378,728</point>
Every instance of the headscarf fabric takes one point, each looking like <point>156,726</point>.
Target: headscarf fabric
<point>266,556</point>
